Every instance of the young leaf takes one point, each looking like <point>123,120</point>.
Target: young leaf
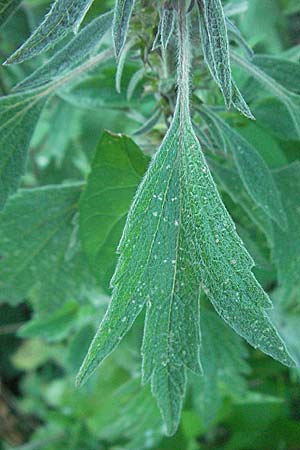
<point>215,44</point>
<point>117,169</point>
<point>63,17</point>
<point>19,115</point>
<point>178,238</point>
<point>82,47</point>
<point>35,250</point>
<point>255,174</point>
<point>122,14</point>
<point>7,8</point>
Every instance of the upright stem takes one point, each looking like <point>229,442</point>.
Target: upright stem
<point>183,59</point>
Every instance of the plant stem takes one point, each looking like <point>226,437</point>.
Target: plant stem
<point>183,59</point>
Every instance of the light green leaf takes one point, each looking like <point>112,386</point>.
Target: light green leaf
<point>122,14</point>
<point>19,115</point>
<point>215,44</point>
<point>38,255</point>
<point>82,47</point>
<point>7,8</point>
<point>117,169</point>
<point>255,174</point>
<point>63,17</point>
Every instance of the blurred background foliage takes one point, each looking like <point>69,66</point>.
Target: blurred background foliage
<point>40,408</point>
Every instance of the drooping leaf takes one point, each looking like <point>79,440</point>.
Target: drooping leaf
<point>215,45</point>
<point>117,169</point>
<point>82,47</point>
<point>63,17</point>
<point>178,236</point>
<point>254,172</point>
<point>7,8</point>
<point>37,254</point>
<point>19,115</point>
<point>223,360</point>
<point>122,14</point>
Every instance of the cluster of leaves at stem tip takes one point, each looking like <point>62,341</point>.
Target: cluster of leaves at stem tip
<point>179,243</point>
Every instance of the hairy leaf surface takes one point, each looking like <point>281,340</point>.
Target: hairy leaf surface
<point>117,169</point>
<point>63,17</point>
<point>215,44</point>
<point>178,237</point>
<point>122,14</point>
<point>82,47</point>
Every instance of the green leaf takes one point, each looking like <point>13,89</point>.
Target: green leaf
<point>37,249</point>
<point>117,169</point>
<point>82,47</point>
<point>232,184</point>
<point>215,45</point>
<point>122,14</point>
<point>290,100</point>
<point>255,174</point>
<point>223,360</point>
<point>179,238</point>
<point>286,250</point>
<point>19,115</point>
<point>284,72</point>
<point>7,8</point>
<point>63,17</point>
<point>138,420</point>
<point>54,327</point>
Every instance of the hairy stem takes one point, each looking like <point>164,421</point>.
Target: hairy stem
<point>183,59</point>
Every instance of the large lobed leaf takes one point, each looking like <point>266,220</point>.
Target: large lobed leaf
<point>179,237</point>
